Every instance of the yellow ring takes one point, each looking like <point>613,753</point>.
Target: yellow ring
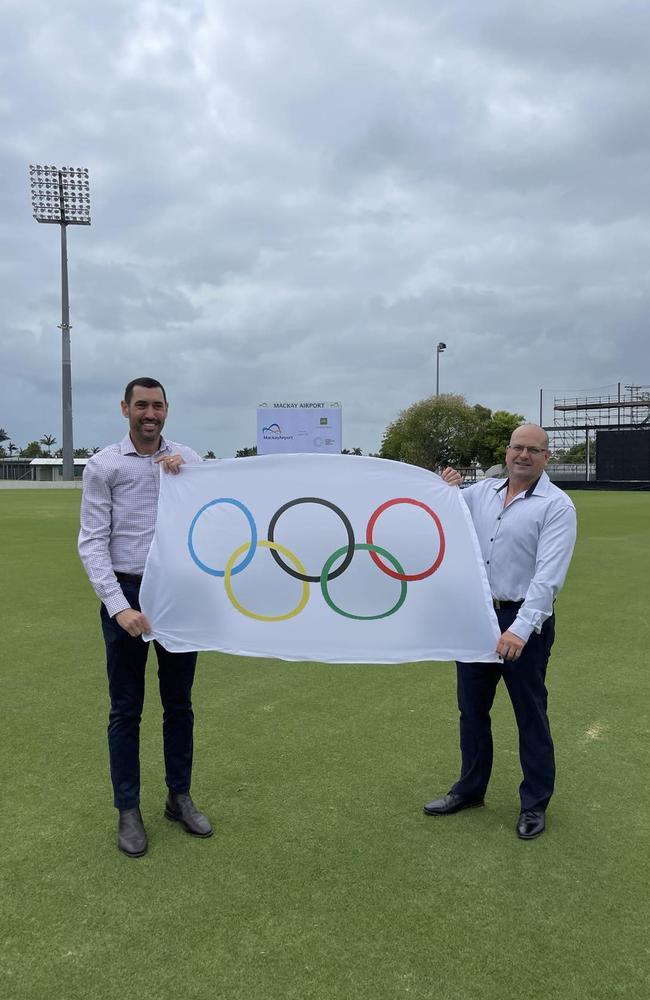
<point>250,614</point>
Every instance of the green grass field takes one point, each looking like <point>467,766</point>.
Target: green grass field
<point>324,879</point>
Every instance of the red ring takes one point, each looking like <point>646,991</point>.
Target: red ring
<point>391,572</point>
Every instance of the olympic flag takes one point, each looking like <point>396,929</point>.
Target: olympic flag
<point>330,558</point>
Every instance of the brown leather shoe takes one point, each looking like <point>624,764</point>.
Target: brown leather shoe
<point>180,808</point>
<point>131,836</point>
<point>449,803</point>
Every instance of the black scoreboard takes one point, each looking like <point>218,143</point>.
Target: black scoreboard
<point>623,455</point>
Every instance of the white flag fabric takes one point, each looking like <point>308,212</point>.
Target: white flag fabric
<point>330,558</point>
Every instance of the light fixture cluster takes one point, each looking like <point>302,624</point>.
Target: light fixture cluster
<point>60,194</point>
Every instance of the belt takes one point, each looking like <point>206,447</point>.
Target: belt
<point>506,605</point>
<point>128,577</point>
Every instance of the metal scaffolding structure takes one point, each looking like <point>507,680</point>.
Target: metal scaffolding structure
<point>576,418</point>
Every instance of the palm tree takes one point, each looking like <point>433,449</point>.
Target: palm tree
<point>48,441</point>
<point>3,435</point>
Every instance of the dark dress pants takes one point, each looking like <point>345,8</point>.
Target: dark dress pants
<point>525,680</point>
<point>126,658</point>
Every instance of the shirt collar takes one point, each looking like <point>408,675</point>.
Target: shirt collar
<point>539,488</point>
<point>128,448</point>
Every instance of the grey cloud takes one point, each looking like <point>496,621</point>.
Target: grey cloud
<point>299,200</point>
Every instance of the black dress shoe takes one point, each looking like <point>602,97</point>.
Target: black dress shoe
<point>179,807</point>
<point>449,803</point>
<point>530,823</point>
<point>131,837</point>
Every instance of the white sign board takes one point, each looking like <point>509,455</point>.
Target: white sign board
<point>298,428</point>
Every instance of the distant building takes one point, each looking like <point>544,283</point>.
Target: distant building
<point>50,470</point>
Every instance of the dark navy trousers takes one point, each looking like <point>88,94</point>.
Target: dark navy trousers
<point>126,658</point>
<point>525,680</point>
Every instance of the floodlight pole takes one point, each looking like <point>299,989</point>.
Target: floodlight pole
<point>439,349</point>
<point>61,196</point>
<point>66,362</point>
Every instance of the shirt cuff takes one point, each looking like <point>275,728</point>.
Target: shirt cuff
<point>522,629</point>
<point>116,603</point>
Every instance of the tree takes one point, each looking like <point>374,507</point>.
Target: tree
<point>446,430</point>
<point>11,448</point>
<point>32,450</point>
<point>80,453</point>
<point>495,437</point>
<point>48,441</point>
<point>437,431</point>
<point>351,451</point>
<point>3,435</point>
<point>209,454</point>
<point>246,452</point>
<point>577,455</point>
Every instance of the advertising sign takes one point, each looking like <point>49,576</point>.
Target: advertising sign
<point>299,428</point>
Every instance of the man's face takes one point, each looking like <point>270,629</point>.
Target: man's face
<point>146,412</point>
<point>527,453</point>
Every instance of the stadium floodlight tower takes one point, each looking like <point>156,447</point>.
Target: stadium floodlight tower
<point>61,195</point>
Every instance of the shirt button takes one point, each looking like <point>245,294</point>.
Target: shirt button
<point>487,562</point>
<point>491,539</point>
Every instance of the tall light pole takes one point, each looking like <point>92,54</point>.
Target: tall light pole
<point>439,349</point>
<point>61,195</point>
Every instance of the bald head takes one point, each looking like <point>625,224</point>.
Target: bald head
<point>524,430</point>
<point>527,455</point>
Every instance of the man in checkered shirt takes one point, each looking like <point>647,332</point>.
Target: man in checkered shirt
<point>118,517</point>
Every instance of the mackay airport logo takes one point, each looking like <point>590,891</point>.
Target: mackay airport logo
<point>274,433</point>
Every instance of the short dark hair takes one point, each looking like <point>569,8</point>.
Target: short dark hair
<point>147,383</point>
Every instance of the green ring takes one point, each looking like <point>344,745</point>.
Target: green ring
<point>369,548</point>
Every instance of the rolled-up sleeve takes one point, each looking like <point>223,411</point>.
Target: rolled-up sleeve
<point>94,539</point>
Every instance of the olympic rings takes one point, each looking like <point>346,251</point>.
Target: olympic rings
<point>250,614</point>
<point>363,618</point>
<point>349,551</point>
<point>373,550</point>
<point>325,576</point>
<point>252,546</point>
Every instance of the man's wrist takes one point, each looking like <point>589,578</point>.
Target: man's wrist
<point>114,605</point>
<point>523,630</point>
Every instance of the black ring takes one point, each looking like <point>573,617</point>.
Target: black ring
<point>303,576</point>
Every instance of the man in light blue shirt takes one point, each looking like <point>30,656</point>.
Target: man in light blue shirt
<point>118,517</point>
<point>526,528</point>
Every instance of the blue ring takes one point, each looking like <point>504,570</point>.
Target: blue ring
<point>251,552</point>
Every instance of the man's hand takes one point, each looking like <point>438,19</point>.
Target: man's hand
<point>171,463</point>
<point>133,622</point>
<point>451,477</point>
<point>510,646</point>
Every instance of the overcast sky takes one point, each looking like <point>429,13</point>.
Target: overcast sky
<point>296,200</point>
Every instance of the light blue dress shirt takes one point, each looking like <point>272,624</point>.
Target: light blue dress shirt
<point>526,546</point>
<point>118,514</point>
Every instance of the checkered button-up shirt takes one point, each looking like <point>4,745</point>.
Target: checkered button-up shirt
<point>118,514</point>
